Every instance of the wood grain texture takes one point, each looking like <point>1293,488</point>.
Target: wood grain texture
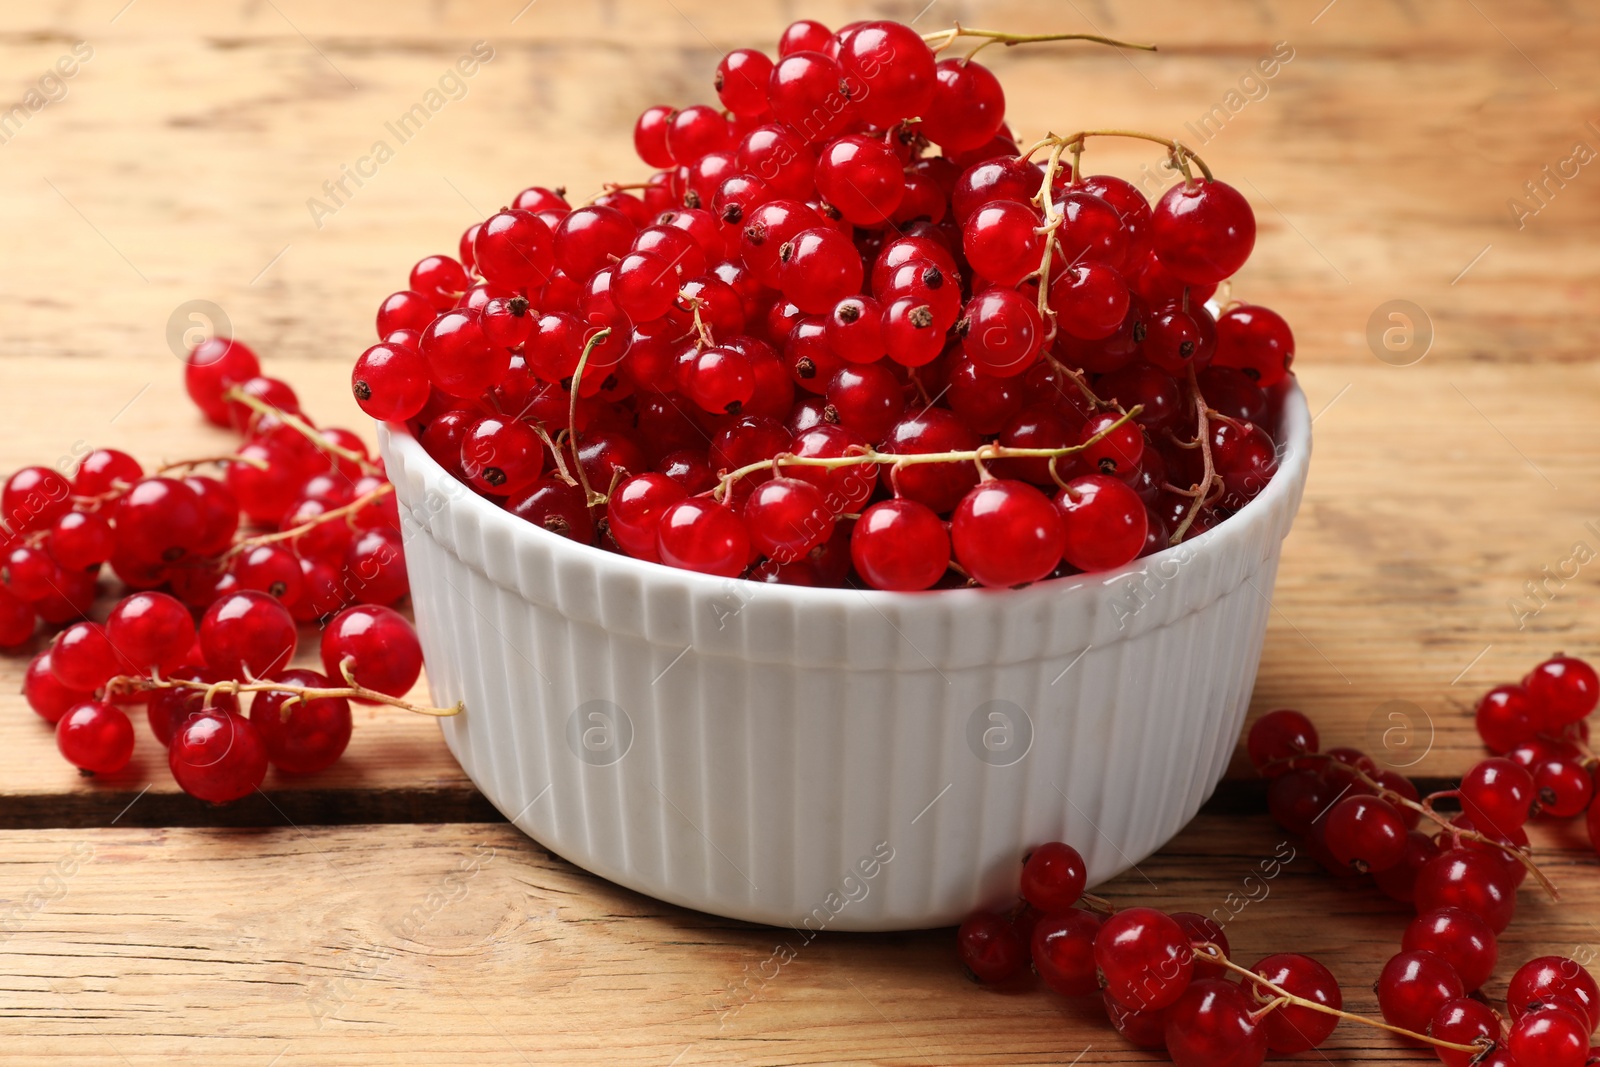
<point>466,943</point>
<point>179,166</point>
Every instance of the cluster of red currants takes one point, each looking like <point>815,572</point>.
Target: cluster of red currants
<point>1359,818</point>
<point>710,369</point>
<point>330,553</point>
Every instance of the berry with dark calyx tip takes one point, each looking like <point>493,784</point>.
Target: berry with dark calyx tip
<point>1366,833</point>
<point>1257,342</point>
<point>1203,930</point>
<point>911,332</point>
<point>1563,785</point>
<point>867,398</point>
<point>45,693</point>
<point>157,519</point>
<point>1062,947</point>
<point>811,94</point>
<point>1498,793</point>
<point>701,535</point>
<point>308,735</point>
<point>95,737</point>
<point>218,756</point>
<point>1565,690</point>
<point>1103,522</point>
<point>1277,738</point>
<point>900,545</point>
<point>990,948</point>
<point>894,66</point>
<point>741,81</point>
<point>1145,958</point>
<point>1461,938</point>
<point>247,633</point>
<point>383,646</point>
<point>557,506</point>
<point>1475,881</point>
<point>967,107</point>
<point>861,178</point>
<point>1213,1024</point>
<point>817,268</point>
<point>720,380</point>
<point>1413,986</point>
<point>83,658</point>
<point>270,569</point>
<point>500,455</point>
<point>1173,341</point>
<point>211,368</point>
<point>1550,1038</point>
<point>855,329</point>
<point>1053,877</point>
<point>1554,976</point>
<point>1202,231</point>
<point>506,321</point>
<point>1006,533</point>
<point>151,631</point>
<point>1463,1021</point>
<point>1118,450</point>
<point>1293,1028</point>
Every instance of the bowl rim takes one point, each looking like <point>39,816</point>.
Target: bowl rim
<point>1294,451</point>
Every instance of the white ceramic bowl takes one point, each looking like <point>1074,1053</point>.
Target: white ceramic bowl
<point>833,758</point>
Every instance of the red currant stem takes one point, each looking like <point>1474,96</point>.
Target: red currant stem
<point>555,452</point>
<point>700,328</point>
<point>1100,904</point>
<point>1077,379</point>
<point>1590,760</point>
<point>922,390</point>
<point>615,187</point>
<point>140,684</point>
<point>299,425</point>
<point>589,494</point>
<point>1052,221</point>
<point>1061,482</point>
<point>894,462</point>
<point>185,464</point>
<point>945,38</point>
<point>1212,953</point>
<point>1209,470</point>
<point>1180,152</point>
<point>247,543</point>
<point>1424,807</point>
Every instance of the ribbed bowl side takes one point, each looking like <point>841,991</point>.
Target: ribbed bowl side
<point>849,762</point>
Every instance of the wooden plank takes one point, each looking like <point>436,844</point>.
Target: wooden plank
<point>428,944</point>
<point>1437,492</point>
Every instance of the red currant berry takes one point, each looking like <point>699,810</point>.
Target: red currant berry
<point>1203,231</point>
<point>501,456</point>
<point>1257,342</point>
<point>900,545</point>
<point>151,631</point>
<point>104,470</point>
<point>307,736</point>
<point>811,94</point>
<point>441,280</point>
<point>1063,951</point>
<point>247,632</point>
<point>778,157</point>
<point>862,178</point>
<point>896,69</point>
<point>911,332</point>
<point>1414,986</point>
<point>1550,1038</point>
<point>1003,332</point>
<point>634,512</point>
<point>939,486</point>
<point>377,645</point>
<point>1506,717</point>
<point>515,248</point>
<point>817,268</point>
<point>1090,300</point>
<point>390,382</point>
<point>80,540</point>
<point>1276,738</point>
<point>701,535</point>
<point>1563,785</point>
<point>967,108</point>
<point>990,948</point>
<point>590,238</point>
<point>1498,793</point>
<point>855,330</point>
<point>787,518</point>
<point>1054,877</point>
<point>1463,939</point>
<point>1145,958</point>
<point>96,738</point>
<point>1006,533</point>
<point>1001,241</point>
<point>1464,1021</point>
<point>1213,1024</point>
<point>1104,523</point>
<point>1293,1028</point>
<point>407,310</point>
<point>1475,881</point>
<point>1565,689</point>
<point>805,35</point>
<point>1554,976</point>
<point>1142,1028</point>
<point>741,82</point>
<point>650,136</point>
<point>218,756</point>
<point>211,368</point>
<point>552,504</point>
<point>1366,833</point>
<point>375,567</point>
<point>83,658</point>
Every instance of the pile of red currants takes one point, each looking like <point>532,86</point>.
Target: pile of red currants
<point>808,351</point>
<point>1165,978</point>
<point>323,547</point>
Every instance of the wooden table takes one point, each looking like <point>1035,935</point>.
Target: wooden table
<point>381,913</point>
